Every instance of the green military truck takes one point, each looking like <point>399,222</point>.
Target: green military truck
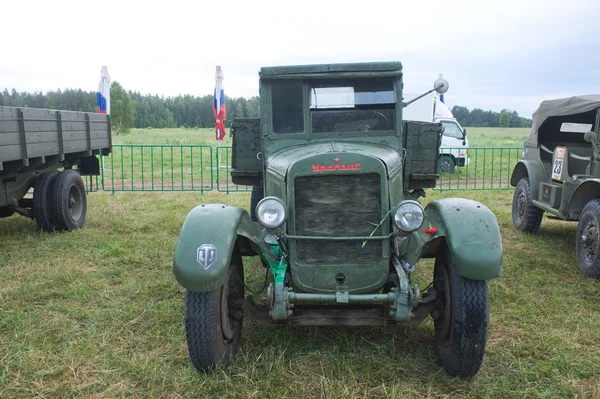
<point>34,145</point>
<point>340,227</point>
<point>559,173</point>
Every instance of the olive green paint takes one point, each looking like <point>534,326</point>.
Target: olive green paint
<point>219,225</point>
<point>406,160</point>
<point>472,234</point>
<point>581,181</point>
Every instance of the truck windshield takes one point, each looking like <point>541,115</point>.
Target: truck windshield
<point>351,105</point>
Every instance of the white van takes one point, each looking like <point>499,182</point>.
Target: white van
<point>454,147</point>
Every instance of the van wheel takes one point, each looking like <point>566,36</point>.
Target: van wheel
<point>447,164</point>
<point>588,239</point>
<point>526,217</point>
<point>257,194</point>
<point>213,320</point>
<point>461,320</point>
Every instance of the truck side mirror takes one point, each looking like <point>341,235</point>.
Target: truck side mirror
<point>464,136</point>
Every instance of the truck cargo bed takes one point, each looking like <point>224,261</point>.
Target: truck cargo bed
<point>27,133</point>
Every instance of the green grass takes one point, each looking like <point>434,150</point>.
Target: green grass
<point>496,137</point>
<point>478,137</point>
<point>98,313</point>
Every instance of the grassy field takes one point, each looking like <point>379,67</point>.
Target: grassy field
<point>97,313</point>
<point>478,137</point>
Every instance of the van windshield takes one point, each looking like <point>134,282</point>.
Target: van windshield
<point>351,105</point>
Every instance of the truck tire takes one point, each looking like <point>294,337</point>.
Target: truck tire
<point>461,320</point>
<point>588,239</point>
<point>70,202</point>
<point>447,164</point>
<point>257,194</point>
<point>213,320</point>
<point>43,197</point>
<point>526,217</point>
<point>5,212</point>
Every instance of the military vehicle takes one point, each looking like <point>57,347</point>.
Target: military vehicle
<point>559,173</point>
<point>34,145</point>
<point>340,228</point>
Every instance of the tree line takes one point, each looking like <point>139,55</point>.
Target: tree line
<point>480,118</point>
<point>133,109</point>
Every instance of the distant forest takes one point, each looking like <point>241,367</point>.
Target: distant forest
<point>192,111</point>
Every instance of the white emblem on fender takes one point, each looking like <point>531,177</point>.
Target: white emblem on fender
<point>207,255</point>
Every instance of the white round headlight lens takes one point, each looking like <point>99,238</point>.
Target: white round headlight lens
<point>270,212</point>
<point>409,216</point>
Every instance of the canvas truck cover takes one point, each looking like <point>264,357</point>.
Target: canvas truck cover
<point>561,107</point>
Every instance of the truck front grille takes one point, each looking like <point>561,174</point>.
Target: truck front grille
<point>337,206</point>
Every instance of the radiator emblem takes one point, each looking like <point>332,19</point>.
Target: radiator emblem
<point>207,255</point>
<point>318,168</point>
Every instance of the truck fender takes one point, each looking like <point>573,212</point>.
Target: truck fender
<point>472,235</point>
<point>206,242</point>
<point>587,191</point>
<point>532,169</point>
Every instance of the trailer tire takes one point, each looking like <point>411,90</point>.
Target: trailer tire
<point>70,201</point>
<point>5,212</point>
<point>43,197</point>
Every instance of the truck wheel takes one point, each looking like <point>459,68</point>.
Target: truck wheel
<point>526,217</point>
<point>213,320</point>
<point>69,201</point>
<point>257,194</point>
<point>588,239</point>
<point>43,194</point>
<point>446,164</point>
<point>461,319</point>
<point>5,212</point>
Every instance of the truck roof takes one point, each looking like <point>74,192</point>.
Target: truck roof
<point>366,69</point>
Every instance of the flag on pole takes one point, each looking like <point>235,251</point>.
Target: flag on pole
<point>219,109</point>
<point>103,93</point>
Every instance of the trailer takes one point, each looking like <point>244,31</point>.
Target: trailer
<point>49,151</point>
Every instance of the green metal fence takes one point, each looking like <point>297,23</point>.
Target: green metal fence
<point>224,183</point>
<point>145,167</point>
<point>488,168</point>
<point>149,167</point>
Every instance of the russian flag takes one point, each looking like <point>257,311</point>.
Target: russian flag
<point>219,108</point>
<point>103,93</point>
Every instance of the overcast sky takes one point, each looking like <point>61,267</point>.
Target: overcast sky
<point>495,54</point>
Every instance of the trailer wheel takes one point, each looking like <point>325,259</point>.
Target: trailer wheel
<point>70,201</point>
<point>43,197</point>
<point>5,212</point>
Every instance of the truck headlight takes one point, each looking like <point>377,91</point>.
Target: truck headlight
<point>270,212</point>
<point>409,216</point>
